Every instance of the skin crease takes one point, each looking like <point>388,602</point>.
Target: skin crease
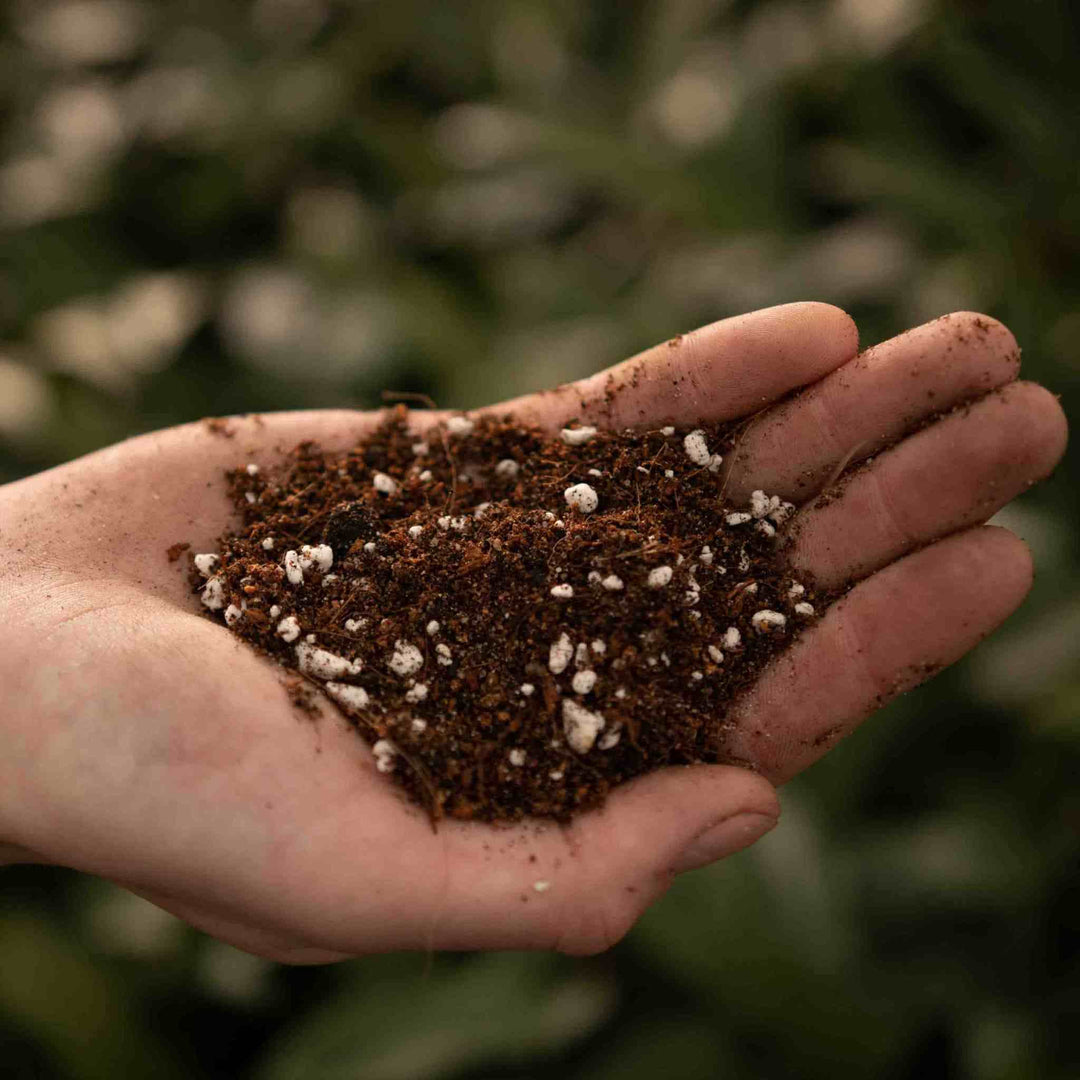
<point>145,744</point>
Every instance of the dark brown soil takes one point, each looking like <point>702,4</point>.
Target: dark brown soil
<point>448,626</point>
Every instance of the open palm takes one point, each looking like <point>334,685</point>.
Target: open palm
<point>145,744</point>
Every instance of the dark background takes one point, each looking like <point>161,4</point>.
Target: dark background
<point>209,207</point>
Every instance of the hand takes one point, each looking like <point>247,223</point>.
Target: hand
<point>144,743</point>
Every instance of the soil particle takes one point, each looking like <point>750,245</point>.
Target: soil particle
<point>466,585</point>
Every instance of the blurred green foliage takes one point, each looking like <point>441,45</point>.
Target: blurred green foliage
<point>208,207</point>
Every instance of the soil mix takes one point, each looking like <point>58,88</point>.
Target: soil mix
<point>515,622</point>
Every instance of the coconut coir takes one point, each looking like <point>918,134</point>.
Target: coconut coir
<point>515,622</point>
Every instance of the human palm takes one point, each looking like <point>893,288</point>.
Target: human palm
<point>145,744</point>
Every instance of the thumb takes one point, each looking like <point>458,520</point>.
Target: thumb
<point>660,825</point>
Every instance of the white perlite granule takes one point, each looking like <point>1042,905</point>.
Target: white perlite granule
<point>417,692</point>
<point>323,664</point>
<point>577,436</point>
<point>527,689</point>
<point>232,615</point>
<point>697,449</point>
<point>206,564</point>
<point>252,469</point>
<point>660,576</point>
<point>459,425</point>
<point>320,556</point>
<point>355,697</point>
<point>289,628</point>
<point>738,518</point>
<point>582,497</point>
<point>418,724</point>
<point>803,608</point>
<point>416,531</point>
<point>425,476</point>
<point>268,543</point>
<point>581,725</point>
<point>213,594</point>
<point>611,737</point>
<point>275,611</point>
<point>668,431</point>
<point>765,621</point>
<point>796,591</point>
<point>383,484</point>
<point>517,757</point>
<point>613,583</point>
<point>508,468</point>
<point>292,568</point>
<point>405,659</point>
<point>583,681</point>
<point>732,638</point>
<point>432,628</point>
<point>420,448</point>
<point>715,655</point>
<point>562,592</point>
<point>352,625</point>
<point>385,752</point>
<point>443,655</point>
<point>559,654</point>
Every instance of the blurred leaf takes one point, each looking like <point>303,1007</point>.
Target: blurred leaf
<point>498,1008</point>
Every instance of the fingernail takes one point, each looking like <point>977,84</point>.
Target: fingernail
<point>723,839</point>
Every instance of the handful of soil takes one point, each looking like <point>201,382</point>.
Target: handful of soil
<point>515,622</point>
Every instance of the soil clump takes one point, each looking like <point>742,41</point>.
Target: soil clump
<point>515,622</point>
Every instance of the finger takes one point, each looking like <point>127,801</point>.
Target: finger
<point>954,474</point>
<point>887,635</point>
<point>724,370</point>
<point>580,888</point>
<point>795,448</point>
